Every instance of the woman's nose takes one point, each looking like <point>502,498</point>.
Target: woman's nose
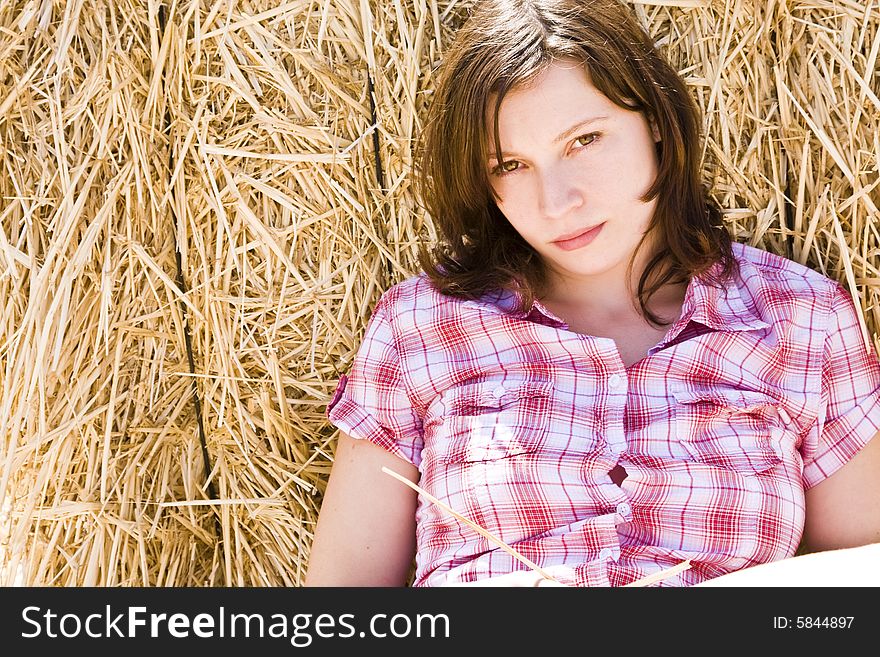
<point>559,194</point>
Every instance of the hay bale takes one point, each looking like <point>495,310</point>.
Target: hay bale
<point>203,201</point>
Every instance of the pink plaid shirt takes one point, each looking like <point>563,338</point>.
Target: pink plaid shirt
<point>758,391</point>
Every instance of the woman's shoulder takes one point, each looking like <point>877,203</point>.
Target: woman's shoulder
<point>778,278</point>
<point>414,290</point>
<point>416,294</point>
<point>416,303</point>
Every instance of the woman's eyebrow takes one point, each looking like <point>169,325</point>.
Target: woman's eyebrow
<point>577,127</point>
<point>568,133</point>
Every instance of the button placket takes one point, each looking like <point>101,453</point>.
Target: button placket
<point>617,403</point>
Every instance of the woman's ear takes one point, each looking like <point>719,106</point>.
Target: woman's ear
<point>654,130</point>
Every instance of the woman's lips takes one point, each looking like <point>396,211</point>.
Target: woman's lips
<point>579,241</point>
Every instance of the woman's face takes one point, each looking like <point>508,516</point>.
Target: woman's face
<point>573,169</point>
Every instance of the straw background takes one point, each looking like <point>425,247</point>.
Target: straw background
<point>202,201</point>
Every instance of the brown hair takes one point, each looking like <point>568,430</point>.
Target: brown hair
<point>505,44</point>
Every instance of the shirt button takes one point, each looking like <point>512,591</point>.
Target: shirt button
<point>605,554</point>
<point>624,509</point>
<point>614,380</point>
<point>499,392</point>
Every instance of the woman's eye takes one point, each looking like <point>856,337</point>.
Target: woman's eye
<point>586,140</point>
<point>506,167</point>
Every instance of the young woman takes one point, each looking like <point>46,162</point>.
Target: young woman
<point>588,368</point>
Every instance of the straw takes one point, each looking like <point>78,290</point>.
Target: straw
<point>470,523</point>
<point>663,574</point>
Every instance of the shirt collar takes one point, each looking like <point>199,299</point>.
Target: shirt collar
<point>720,307</point>
<point>507,302</point>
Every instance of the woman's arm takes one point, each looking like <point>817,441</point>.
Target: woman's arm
<point>366,529</point>
<point>844,510</point>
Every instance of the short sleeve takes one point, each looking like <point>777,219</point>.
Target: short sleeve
<point>850,397</point>
<point>372,402</point>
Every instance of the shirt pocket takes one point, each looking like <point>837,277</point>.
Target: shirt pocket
<point>729,428</point>
<point>492,420</point>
